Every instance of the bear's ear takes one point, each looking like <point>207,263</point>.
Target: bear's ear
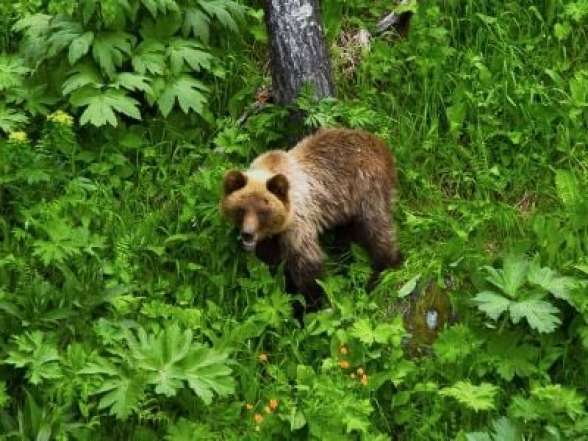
<point>279,186</point>
<point>234,180</point>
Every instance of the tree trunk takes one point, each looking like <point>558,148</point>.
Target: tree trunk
<point>298,52</point>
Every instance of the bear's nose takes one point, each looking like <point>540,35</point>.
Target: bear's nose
<point>247,237</point>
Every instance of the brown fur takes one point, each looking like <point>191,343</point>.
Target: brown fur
<point>334,178</point>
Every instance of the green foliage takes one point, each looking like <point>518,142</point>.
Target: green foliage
<point>128,310</point>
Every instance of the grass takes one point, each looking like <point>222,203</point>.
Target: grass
<point>115,265</point>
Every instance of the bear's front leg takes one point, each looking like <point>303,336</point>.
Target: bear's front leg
<point>304,265</point>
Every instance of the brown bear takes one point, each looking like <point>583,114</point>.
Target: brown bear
<point>334,179</point>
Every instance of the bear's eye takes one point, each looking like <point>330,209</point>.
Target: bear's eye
<point>263,215</point>
<point>239,214</point>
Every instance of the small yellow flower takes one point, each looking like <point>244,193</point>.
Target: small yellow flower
<point>258,418</point>
<point>61,117</point>
<point>18,136</point>
<point>360,372</point>
<point>343,350</point>
<point>263,357</point>
<point>267,409</point>
<point>364,380</point>
<point>250,406</point>
<point>273,404</point>
<point>344,364</point>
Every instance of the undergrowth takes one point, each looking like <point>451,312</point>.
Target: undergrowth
<point>128,310</point>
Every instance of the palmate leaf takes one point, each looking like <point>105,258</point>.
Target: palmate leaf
<point>184,52</point>
<point>548,279</point>
<point>84,74</point>
<point>471,396</point>
<point>364,331</point>
<point>38,355</point>
<point>121,396</point>
<point>102,106</point>
<point>493,304</point>
<point>63,33</point>
<point>110,48</point>
<point>80,47</point>
<point>207,372</point>
<point>511,277</point>
<point>156,7</point>
<point>196,23</point>
<point>132,81</point>
<point>186,90</point>
<point>511,357</point>
<point>223,11</point>
<point>539,314</point>
<point>149,56</point>
<point>11,119</point>
<point>12,72</point>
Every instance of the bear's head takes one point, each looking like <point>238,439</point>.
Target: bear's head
<point>257,202</point>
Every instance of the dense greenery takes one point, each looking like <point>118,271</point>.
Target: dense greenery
<point>128,310</point>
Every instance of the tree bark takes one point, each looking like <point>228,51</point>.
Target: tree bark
<point>298,52</point>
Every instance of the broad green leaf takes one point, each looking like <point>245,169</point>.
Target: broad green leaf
<point>111,48</point>
<point>80,47</point>
<point>539,314</point>
<point>149,56</point>
<point>548,279</point>
<point>187,91</point>
<point>63,33</point>
<point>567,187</point>
<point>132,81</point>
<point>12,72</point>
<point>474,397</point>
<point>196,23</point>
<point>184,52</point>
<point>155,7</point>
<point>408,287</point>
<point>206,372</point>
<point>121,396</point>
<point>455,343</point>
<point>102,105</point>
<point>511,277</point>
<point>491,303</point>
<point>11,119</point>
<point>364,331</point>
<point>38,355</point>
<point>84,74</point>
<point>223,11</point>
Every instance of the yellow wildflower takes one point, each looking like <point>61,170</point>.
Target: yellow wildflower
<point>18,136</point>
<point>61,117</point>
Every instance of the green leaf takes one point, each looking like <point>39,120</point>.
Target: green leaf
<point>186,90</point>
<point>84,74</point>
<point>206,372</point>
<point>80,47</point>
<point>11,119</point>
<point>132,82</point>
<point>184,52</point>
<point>110,48</point>
<point>222,10</point>
<point>102,105</point>
<point>38,355</point>
<point>471,396</point>
<point>408,287</point>
<point>12,72</point>
<point>196,23</point>
<point>149,56</point>
<point>159,6</point>
<point>63,33</point>
<point>568,188</point>
<point>548,279</point>
<point>364,331</point>
<point>121,395</point>
<point>513,275</point>
<point>492,304</point>
<point>539,314</point>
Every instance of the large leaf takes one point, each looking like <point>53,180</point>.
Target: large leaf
<point>471,396</point>
<point>567,188</point>
<point>548,279</point>
<point>187,53</point>
<point>492,304</point>
<point>207,372</point>
<point>111,48</point>
<point>223,11</point>
<point>84,74</point>
<point>102,106</point>
<point>149,57</point>
<point>80,47</point>
<point>513,275</point>
<point>539,314</point>
<point>196,23</point>
<point>121,396</point>
<point>186,90</point>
